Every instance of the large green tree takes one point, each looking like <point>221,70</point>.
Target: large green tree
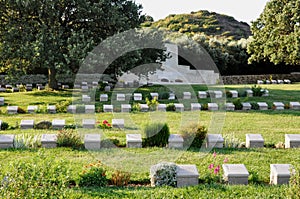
<point>58,34</point>
<point>276,33</point>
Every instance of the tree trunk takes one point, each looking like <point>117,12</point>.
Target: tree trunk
<point>52,78</point>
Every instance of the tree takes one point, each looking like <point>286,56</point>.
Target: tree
<point>276,33</point>
<point>58,34</point>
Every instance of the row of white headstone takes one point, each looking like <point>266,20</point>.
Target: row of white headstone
<point>279,81</point>
<point>188,175</point>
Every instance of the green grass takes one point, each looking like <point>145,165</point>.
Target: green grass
<point>271,124</point>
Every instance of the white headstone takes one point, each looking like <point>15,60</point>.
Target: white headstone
<point>71,109</point>
<point>262,105</point>
<point>179,107</point>
<point>175,141</point>
<point>235,173</point>
<point>103,97</point>
<point>137,96</point>
<point>254,141</point>
<point>246,106</point>
<point>120,97</point>
<point>212,106</point>
<point>58,124</point>
<point>12,109</point>
<point>214,141</point>
<point>32,109</point>
<point>295,105</point>
<point>126,108</point>
<point>51,109</point>
<point>195,106</point>
<point>92,141</point>
<point>280,173</point>
<point>108,108</point>
<point>187,175</point>
<point>6,141</point>
<point>161,107</point>
<point>292,140</point>
<point>49,140</point>
<point>134,141</point>
<point>144,107</point>
<point>229,106</point>
<point>187,95</point>
<point>202,94</point>
<point>278,105</point>
<point>88,123</point>
<point>234,93</point>
<point>27,124</point>
<point>118,123</point>
<point>89,108</point>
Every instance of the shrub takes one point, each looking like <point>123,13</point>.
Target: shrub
<point>163,174</point>
<point>152,104</point>
<point>193,135</point>
<point>70,126</point>
<point>43,125</point>
<point>254,106</point>
<point>104,125</point>
<point>156,134</point>
<point>228,94</point>
<point>164,95</point>
<point>93,175</point>
<point>21,110</point>
<point>170,107</point>
<point>230,141</point>
<point>80,108</point>
<point>62,106</point>
<point>102,86</point>
<point>237,103</point>
<point>69,138</point>
<point>120,178</point>
<point>4,126</point>
<point>25,141</point>
<point>257,91</point>
<point>136,107</point>
<point>204,107</point>
<point>39,177</point>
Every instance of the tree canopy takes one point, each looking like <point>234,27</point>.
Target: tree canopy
<point>58,34</point>
<point>276,33</point>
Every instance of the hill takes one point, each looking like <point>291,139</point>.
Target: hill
<point>209,23</point>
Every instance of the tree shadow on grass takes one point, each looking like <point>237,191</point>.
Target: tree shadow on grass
<point>52,94</point>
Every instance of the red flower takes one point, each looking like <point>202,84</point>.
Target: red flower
<point>217,169</point>
<point>211,166</point>
<point>109,125</point>
<point>105,121</point>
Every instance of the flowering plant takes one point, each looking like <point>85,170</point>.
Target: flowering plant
<point>93,175</point>
<point>104,124</point>
<point>214,170</point>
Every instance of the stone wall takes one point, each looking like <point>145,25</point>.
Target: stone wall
<point>252,79</point>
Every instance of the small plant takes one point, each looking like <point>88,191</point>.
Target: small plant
<point>4,126</point>
<point>70,126</point>
<point>193,135</point>
<point>120,178</point>
<point>228,94</point>
<point>230,141</point>
<point>104,125</point>
<point>253,177</point>
<point>136,107</point>
<point>43,125</point>
<point>204,107</point>
<point>164,95</point>
<point>26,141</point>
<point>21,110</point>
<point>152,104</point>
<point>254,106</point>
<point>163,174</point>
<point>257,91</point>
<point>156,134</point>
<point>294,188</point>
<point>93,175</point>
<point>62,106</point>
<point>214,174</point>
<point>69,138</point>
<point>237,103</point>
<point>170,107</point>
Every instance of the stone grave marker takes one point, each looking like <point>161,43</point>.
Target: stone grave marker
<point>125,108</point>
<point>1,101</point>
<point>278,105</point>
<point>153,95</point>
<point>144,107</point>
<point>212,106</point>
<point>262,105</point>
<point>187,175</point>
<point>133,141</point>
<point>71,109</point>
<point>51,109</point>
<point>49,140</point>
<point>229,106</point>
<point>280,173</point>
<point>235,173</point>
<point>6,141</point>
<point>214,141</point>
<point>88,123</point>
<point>121,97</point>
<point>202,94</point>
<point>273,81</point>
<point>65,86</point>
<point>175,141</point>
<point>32,109</point>
<point>12,109</point>
<point>187,95</point>
<point>295,105</point>
<point>254,141</point>
<point>107,88</point>
<point>246,106</point>
<point>179,107</point>
<point>260,82</point>
<point>280,81</point>
<point>92,141</point>
<point>249,93</point>
<point>287,81</point>
<point>27,124</point>
<point>86,98</point>
<point>195,106</point>
<point>292,140</point>
<point>161,107</point>
<point>137,96</point>
<point>103,97</point>
<point>118,123</point>
<point>265,92</point>
<point>171,96</point>
<point>108,108</point>
<point>84,88</point>
<point>234,93</point>
<point>89,108</point>
<point>58,124</point>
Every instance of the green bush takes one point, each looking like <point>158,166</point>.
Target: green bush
<point>204,107</point>
<point>26,141</point>
<point>237,103</point>
<point>193,135</point>
<point>164,95</point>
<point>93,175</point>
<point>43,125</point>
<point>40,177</point>
<point>163,174</point>
<point>170,107</point>
<point>152,104</point>
<point>62,106</point>
<point>257,91</point>
<point>70,126</point>
<point>136,107</point>
<point>4,126</point>
<point>254,106</point>
<point>156,134</point>
<point>69,138</point>
<point>120,178</point>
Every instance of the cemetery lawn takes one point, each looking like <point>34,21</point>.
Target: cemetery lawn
<point>273,125</point>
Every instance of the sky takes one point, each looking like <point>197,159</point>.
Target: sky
<point>241,10</point>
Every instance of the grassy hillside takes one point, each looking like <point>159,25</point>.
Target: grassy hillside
<point>209,23</point>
